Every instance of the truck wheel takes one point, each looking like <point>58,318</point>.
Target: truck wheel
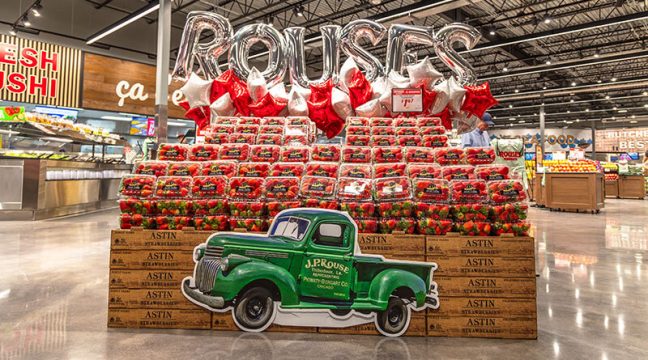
<point>394,321</point>
<point>254,310</point>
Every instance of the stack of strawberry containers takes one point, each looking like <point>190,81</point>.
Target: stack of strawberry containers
<point>508,207</point>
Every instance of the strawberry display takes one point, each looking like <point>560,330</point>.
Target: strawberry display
<point>381,122</point>
<point>281,187</point>
<point>358,209</point>
<point>216,138</point>
<point>384,140</point>
<point>325,169</point>
<point>249,224</point>
<point>212,222</point>
<point>173,187</point>
<point>287,169</point>
<point>383,130</point>
<point>432,130</point>
<point>250,169</point>
<point>506,213</point>
<point>209,186</point>
<point>326,152</point>
<point>358,140</point>
<point>404,225</point>
<point>172,152</point>
<point>269,139</point>
<point>274,130</point>
<point>387,154</point>
<point>249,120</point>
<point>358,130</point>
<point>357,121</point>
<point>431,190</point>
<point>172,222</point>
<point>517,228</point>
<point>480,155</point>
<point>356,154</point>
<point>506,191</point>
<point>410,140</point>
<point>449,156</point>
<point>203,152</point>
<point>468,191</point>
<point>267,153</point>
<point>137,206</point>
<point>407,131</point>
<point>240,138</point>
<point>184,169</point>
<point>458,172</point>
<point>175,207</point>
<point>396,188</point>
<point>428,121</point>
<point>366,225</point>
<point>419,155</point>
<point>155,168</point>
<point>298,120</point>
<point>427,226</point>
<point>405,122</point>
<point>473,228</point>
<point>247,208</point>
<point>220,168</point>
<point>273,121</point>
<point>247,129</point>
<point>210,206</point>
<point>354,189</point>
<point>296,140</point>
<point>432,211</point>
<point>295,154</point>
<point>275,207</point>
<point>239,152</point>
<point>320,204</point>
<point>249,188</point>
<point>469,212</point>
<point>222,129</point>
<point>434,141</point>
<point>426,171</point>
<point>226,120</point>
<point>492,172</point>
<point>389,170</point>
<point>140,186</point>
<point>127,221</point>
<point>395,208</point>
<point>358,171</point>
<point>317,187</point>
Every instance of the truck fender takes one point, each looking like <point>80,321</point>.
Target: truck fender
<point>246,273</point>
<point>384,284</point>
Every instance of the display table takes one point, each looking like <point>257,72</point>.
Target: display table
<point>612,188</point>
<point>631,187</point>
<point>539,190</point>
<point>574,191</point>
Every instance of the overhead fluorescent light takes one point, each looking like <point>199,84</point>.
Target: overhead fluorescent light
<point>55,139</point>
<point>116,118</point>
<point>149,8</point>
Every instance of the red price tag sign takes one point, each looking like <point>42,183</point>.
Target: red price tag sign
<point>407,100</point>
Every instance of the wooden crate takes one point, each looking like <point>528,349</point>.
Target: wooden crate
<point>631,187</point>
<point>392,244</point>
<point>159,318</point>
<point>483,266</point>
<point>574,191</point>
<point>139,239</point>
<point>486,286</point>
<point>458,245</point>
<point>612,188</point>
<point>147,279</point>
<point>159,259</point>
<point>485,307</point>
<point>483,327</point>
<point>148,299</point>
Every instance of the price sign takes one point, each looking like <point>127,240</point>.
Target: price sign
<point>407,100</point>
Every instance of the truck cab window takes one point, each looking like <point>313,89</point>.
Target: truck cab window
<point>329,235</point>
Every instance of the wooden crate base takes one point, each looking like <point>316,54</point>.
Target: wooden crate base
<point>492,327</point>
<point>159,318</point>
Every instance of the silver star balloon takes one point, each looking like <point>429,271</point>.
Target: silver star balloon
<point>341,103</point>
<point>457,93</point>
<point>256,84</point>
<point>423,73</point>
<point>394,81</point>
<point>371,108</point>
<point>297,105</point>
<point>196,91</point>
<point>442,97</point>
<point>347,71</point>
<point>222,106</point>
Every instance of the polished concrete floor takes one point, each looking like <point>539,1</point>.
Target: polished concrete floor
<point>592,300</point>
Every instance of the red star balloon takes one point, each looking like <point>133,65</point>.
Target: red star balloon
<point>359,89</point>
<point>220,85</point>
<point>268,105</point>
<point>200,115</point>
<point>320,109</point>
<point>237,88</point>
<point>321,91</point>
<point>185,105</point>
<point>429,96</point>
<point>446,118</point>
<point>478,99</point>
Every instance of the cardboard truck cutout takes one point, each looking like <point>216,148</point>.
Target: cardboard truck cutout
<point>308,271</point>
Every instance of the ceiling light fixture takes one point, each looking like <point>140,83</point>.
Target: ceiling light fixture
<point>547,19</point>
<point>571,100</point>
<point>12,31</point>
<point>548,62</point>
<point>149,8</point>
<point>573,83</point>
<point>505,69</point>
<point>25,21</point>
<point>511,106</point>
<point>299,10</point>
<point>613,79</point>
<point>596,54</point>
<point>607,97</point>
<point>36,9</point>
<point>516,91</point>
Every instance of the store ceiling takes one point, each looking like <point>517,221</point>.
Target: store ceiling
<point>586,60</point>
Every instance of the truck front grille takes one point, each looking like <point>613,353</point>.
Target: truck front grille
<point>206,273</point>
<point>214,251</point>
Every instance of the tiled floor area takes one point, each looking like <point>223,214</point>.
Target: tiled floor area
<point>592,303</point>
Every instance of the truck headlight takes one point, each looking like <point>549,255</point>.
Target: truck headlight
<point>198,253</point>
<point>224,264</point>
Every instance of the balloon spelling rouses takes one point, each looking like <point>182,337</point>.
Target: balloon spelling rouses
<point>349,38</point>
<point>448,35</point>
<point>399,36</point>
<point>330,55</point>
<point>247,36</point>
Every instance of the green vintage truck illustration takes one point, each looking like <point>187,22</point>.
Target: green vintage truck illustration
<point>308,271</point>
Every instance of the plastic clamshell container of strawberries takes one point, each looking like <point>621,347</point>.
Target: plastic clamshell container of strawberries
<point>426,171</point>
<point>222,129</point>
<point>358,130</point>
<point>395,208</point>
<point>295,154</point>
<point>287,169</point>
<point>473,228</point>
<point>267,153</point>
<point>152,167</point>
<point>428,121</point>
<point>449,156</point>
<point>354,189</point>
<point>357,121</point>
<point>378,121</point>
<point>240,138</point>
<point>220,168</point>
<point>404,225</point>
<point>326,152</point>
<point>479,155</point>
<point>367,225</point>
<point>273,121</point>
<point>409,140</point>
<point>431,210</point>
<point>246,188</point>
<point>419,155</point>
<point>247,129</point>
<point>253,169</point>
<point>387,154</point>
<point>358,171</point>
<point>174,207</point>
<point>212,222</point>
<point>435,141</point>
<point>247,208</point>
<point>321,168</point>
<point>269,139</point>
<point>249,120</point>
<point>172,152</point>
<point>383,130</point>
<point>317,187</point>
<point>407,131</point>
<point>458,172</point>
<point>468,191</point>
<point>203,152</point>
<point>272,130</point>
<point>210,206</point>
<point>140,186</point>
<point>296,140</point>
<point>137,206</point>
<point>358,140</point>
<point>239,152</point>
<point>431,190</point>
<point>395,188</point>
<point>432,130</point>
<point>520,228</point>
<point>492,172</point>
<point>274,207</point>
<point>470,212</point>
<point>356,154</point>
<point>249,224</point>
<point>427,226</point>
<point>216,138</point>
<point>384,140</point>
<point>505,191</point>
<point>297,120</point>
<point>389,170</point>
<point>281,187</point>
<point>185,168</point>
<point>127,221</point>
<point>511,212</point>
<point>173,187</point>
<point>405,122</point>
<point>172,222</point>
<point>226,120</point>
<point>358,209</point>
<point>209,186</point>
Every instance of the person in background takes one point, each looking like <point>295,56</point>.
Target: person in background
<point>479,136</point>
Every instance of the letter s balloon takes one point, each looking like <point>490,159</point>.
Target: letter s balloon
<point>349,38</point>
<point>448,35</point>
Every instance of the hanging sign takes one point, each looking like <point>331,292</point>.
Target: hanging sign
<point>407,100</point>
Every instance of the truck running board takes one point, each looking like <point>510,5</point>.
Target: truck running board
<point>320,317</point>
